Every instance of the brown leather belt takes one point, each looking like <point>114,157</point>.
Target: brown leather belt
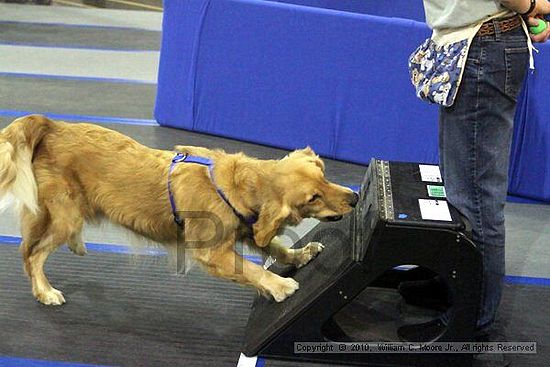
<point>504,25</point>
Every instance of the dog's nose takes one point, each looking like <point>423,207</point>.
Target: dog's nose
<point>354,199</point>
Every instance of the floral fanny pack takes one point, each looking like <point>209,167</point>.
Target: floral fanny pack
<point>436,71</point>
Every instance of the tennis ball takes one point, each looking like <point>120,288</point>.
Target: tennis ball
<point>541,27</point>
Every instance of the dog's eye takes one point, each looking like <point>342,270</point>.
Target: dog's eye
<point>314,198</point>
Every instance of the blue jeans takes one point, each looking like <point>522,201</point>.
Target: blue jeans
<point>474,148</point>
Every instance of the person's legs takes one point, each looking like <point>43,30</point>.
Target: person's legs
<point>474,146</point>
<point>475,139</point>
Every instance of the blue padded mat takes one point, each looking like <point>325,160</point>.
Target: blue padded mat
<point>330,75</point>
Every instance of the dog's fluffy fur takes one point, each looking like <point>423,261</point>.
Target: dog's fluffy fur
<point>65,174</point>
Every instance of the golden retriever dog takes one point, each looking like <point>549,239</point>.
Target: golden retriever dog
<point>63,175</point>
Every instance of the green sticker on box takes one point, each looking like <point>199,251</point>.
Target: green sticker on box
<point>435,191</point>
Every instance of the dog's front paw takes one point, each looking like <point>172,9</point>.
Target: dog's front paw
<point>51,297</point>
<point>281,288</point>
<point>307,253</point>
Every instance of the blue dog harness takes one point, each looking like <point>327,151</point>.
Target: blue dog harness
<point>184,158</point>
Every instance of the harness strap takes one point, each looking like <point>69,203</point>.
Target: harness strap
<point>179,158</point>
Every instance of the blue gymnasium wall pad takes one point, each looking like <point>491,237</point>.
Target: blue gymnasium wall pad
<point>286,75</point>
<point>530,157</point>
<point>407,9</point>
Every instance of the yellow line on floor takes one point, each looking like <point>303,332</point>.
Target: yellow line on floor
<point>132,3</point>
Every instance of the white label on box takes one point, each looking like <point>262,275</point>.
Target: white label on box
<point>434,210</point>
<point>430,173</point>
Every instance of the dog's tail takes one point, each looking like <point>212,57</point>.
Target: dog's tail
<point>17,143</point>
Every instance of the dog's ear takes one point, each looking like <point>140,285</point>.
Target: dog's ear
<point>308,155</point>
<point>307,151</point>
<point>272,217</point>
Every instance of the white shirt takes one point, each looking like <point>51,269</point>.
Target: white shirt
<point>441,14</point>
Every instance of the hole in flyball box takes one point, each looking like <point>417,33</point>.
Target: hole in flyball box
<point>379,310</point>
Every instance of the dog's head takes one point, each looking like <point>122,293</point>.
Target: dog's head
<point>301,191</point>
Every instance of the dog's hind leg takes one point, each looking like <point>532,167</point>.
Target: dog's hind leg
<point>41,287</point>
<point>64,224</point>
<point>33,227</point>
<point>224,262</point>
<point>76,244</point>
